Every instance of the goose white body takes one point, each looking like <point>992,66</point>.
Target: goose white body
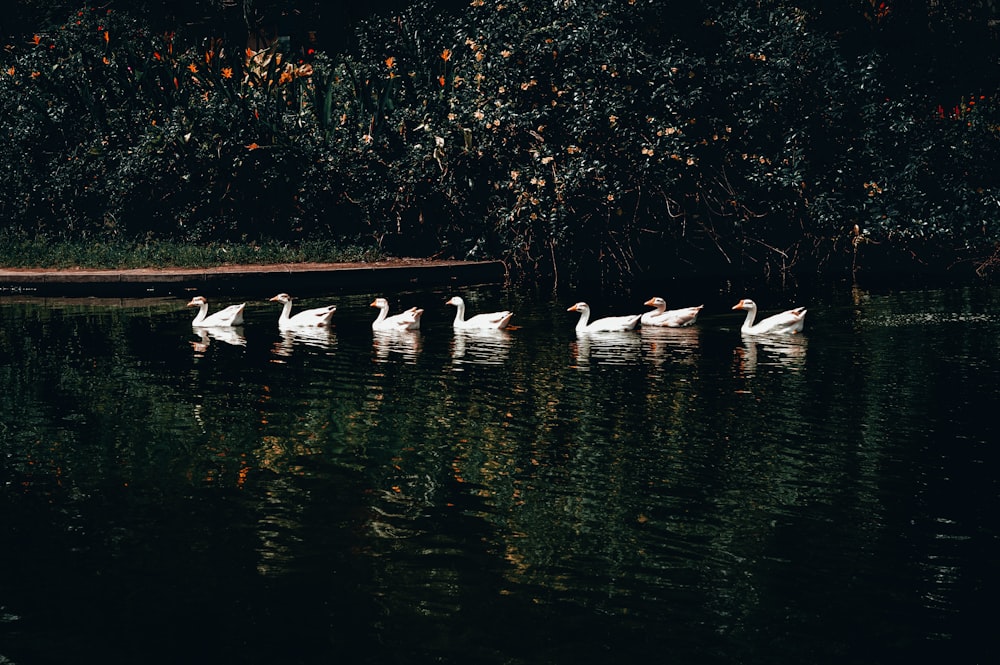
<point>490,321</point>
<point>606,324</point>
<point>224,318</point>
<point>788,322</point>
<point>318,317</point>
<point>669,318</point>
<point>408,320</point>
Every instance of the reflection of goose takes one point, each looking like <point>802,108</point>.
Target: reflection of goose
<point>490,321</point>
<point>319,337</point>
<point>790,321</point>
<point>480,347</point>
<point>670,318</point>
<point>788,352</point>
<point>308,318</point>
<point>230,316</point>
<point>403,342</point>
<point>607,324</point>
<point>408,320</point>
<point>612,347</point>
<point>675,343</point>
<point>228,335</point>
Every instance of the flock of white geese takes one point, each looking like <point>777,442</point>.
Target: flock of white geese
<point>787,322</point>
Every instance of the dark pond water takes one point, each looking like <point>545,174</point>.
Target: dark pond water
<point>675,496</point>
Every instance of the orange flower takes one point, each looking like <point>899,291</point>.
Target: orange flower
<point>390,62</point>
<point>37,39</point>
<point>157,55</point>
<point>193,68</point>
<point>285,78</point>
<point>208,57</point>
<point>106,61</point>
<point>441,81</point>
<point>10,71</point>
<point>252,146</point>
<point>227,72</point>
<point>446,54</point>
<point>107,37</point>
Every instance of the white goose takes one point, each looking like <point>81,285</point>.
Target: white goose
<point>788,322</point>
<point>308,318</point>
<point>224,318</point>
<point>672,318</point>
<point>408,320</point>
<point>490,321</point>
<point>607,324</point>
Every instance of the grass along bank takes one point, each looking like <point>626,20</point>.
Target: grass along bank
<point>17,251</point>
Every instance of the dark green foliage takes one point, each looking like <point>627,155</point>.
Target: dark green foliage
<point>573,137</point>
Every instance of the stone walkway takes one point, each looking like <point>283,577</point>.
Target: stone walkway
<point>296,278</point>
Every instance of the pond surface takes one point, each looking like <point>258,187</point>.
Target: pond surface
<point>670,496</point>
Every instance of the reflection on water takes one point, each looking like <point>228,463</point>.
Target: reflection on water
<point>319,338</point>
<point>763,351</point>
<point>825,498</point>
<point>405,344</point>
<point>605,347</point>
<point>479,347</point>
<point>662,344</point>
<point>233,336</point>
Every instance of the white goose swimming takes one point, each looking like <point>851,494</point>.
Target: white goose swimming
<point>672,318</point>
<point>490,321</point>
<point>606,324</point>
<point>787,322</point>
<point>224,318</point>
<point>408,320</point>
<point>308,318</point>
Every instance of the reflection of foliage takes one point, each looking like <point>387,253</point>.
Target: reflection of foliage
<point>622,492</point>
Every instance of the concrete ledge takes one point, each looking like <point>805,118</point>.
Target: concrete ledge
<point>296,278</point>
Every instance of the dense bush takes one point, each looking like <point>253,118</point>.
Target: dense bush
<point>570,137</point>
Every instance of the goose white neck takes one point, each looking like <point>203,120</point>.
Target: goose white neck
<point>751,315</point>
<point>202,313</point>
<point>460,311</point>
<point>584,318</point>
